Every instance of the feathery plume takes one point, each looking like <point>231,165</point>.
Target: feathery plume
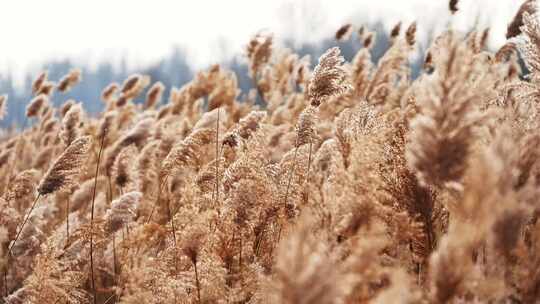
<point>46,88</point>
<point>191,248</point>
<point>134,85</point>
<point>369,40</point>
<point>137,136</point>
<point>305,269</point>
<point>514,28</point>
<point>64,171</point>
<point>305,130</point>
<point>410,35</point>
<point>453,6</point>
<point>122,210</point>
<point>35,106</point>
<point>109,91</point>
<point>394,33</point>
<point>38,82</point>
<point>258,51</point>
<point>186,152</point>
<point>329,78</point>
<point>70,124</point>
<point>361,32</point>
<point>23,186</point>
<point>3,106</point>
<point>124,166</point>
<point>70,80</point>
<point>344,32</point>
<point>106,124</point>
<point>250,123</point>
<point>441,135</point>
<point>83,195</point>
<point>66,106</point>
<point>153,97</point>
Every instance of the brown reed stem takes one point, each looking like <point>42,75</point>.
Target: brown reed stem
<point>67,222</point>
<point>92,222</point>
<point>114,264</point>
<point>171,219</point>
<point>217,158</point>
<point>162,184</point>
<point>27,217</point>
<point>288,186</point>
<point>110,189</point>
<point>6,283</point>
<point>289,180</point>
<point>240,255</point>
<point>197,282</point>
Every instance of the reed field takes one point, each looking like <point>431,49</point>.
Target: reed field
<point>342,182</point>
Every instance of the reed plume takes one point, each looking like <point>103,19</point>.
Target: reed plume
<point>410,34</point>
<point>36,105</point>
<point>453,6</point>
<point>65,170</point>
<point>122,211</point>
<point>109,91</point>
<point>394,33</point>
<point>329,78</point>
<point>259,51</point>
<point>153,97</point>
<point>514,28</point>
<point>355,182</point>
<point>62,174</point>
<point>186,152</point>
<point>344,32</point>
<point>441,135</point>
<point>68,81</point>
<point>70,124</point>
<point>38,82</point>
<point>3,106</point>
<point>134,85</point>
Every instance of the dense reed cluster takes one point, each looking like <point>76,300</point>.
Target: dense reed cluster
<point>348,182</point>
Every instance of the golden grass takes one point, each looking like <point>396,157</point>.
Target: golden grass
<point>352,183</point>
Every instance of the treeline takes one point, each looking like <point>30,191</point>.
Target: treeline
<point>173,70</point>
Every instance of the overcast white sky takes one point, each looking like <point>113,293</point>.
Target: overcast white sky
<point>143,31</point>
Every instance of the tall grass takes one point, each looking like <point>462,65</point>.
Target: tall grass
<point>351,183</point>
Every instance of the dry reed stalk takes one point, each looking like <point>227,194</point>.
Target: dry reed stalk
<point>26,218</point>
<point>67,222</point>
<point>102,141</point>
<point>217,158</point>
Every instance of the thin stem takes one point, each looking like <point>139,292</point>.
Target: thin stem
<point>67,222</point>
<point>171,219</point>
<point>197,282</point>
<point>110,298</point>
<point>160,188</point>
<point>114,262</point>
<point>5,282</point>
<point>24,223</point>
<point>92,222</point>
<point>308,167</point>
<point>290,178</point>
<point>217,158</point>
<point>163,183</point>
<point>110,188</point>
<point>240,256</point>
